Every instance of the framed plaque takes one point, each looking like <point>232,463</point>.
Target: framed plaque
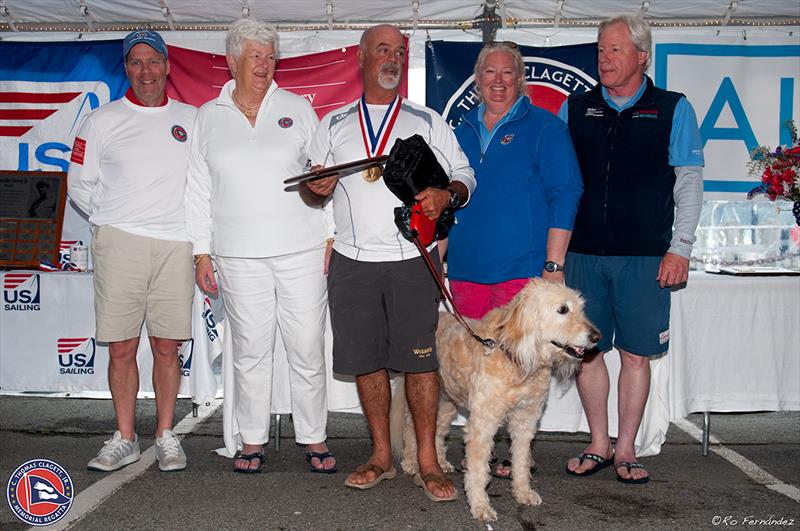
<point>31,216</point>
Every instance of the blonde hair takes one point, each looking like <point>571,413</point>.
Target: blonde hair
<point>511,49</point>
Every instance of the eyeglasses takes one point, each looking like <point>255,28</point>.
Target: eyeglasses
<point>506,44</point>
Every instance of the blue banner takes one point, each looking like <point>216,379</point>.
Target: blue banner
<point>45,90</point>
<point>551,73</point>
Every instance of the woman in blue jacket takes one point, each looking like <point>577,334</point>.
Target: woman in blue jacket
<point>519,222</point>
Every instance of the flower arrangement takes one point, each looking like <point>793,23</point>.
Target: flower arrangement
<point>779,171</point>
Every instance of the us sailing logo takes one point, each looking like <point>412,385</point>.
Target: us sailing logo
<point>76,355</point>
<point>185,351</point>
<point>21,292</point>
<point>549,83</point>
<point>40,492</point>
<point>211,322</point>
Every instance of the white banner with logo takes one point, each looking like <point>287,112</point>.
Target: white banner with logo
<point>47,342</point>
<point>743,89</point>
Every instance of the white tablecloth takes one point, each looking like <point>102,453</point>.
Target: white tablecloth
<point>734,347</point>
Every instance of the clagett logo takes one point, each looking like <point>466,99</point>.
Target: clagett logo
<point>21,292</point>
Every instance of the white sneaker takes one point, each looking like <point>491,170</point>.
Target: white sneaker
<point>116,453</point>
<point>169,452</point>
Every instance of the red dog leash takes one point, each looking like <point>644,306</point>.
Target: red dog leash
<point>426,257</point>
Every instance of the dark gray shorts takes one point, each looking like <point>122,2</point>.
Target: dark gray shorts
<point>383,315</point>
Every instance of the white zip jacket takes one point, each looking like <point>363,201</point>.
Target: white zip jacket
<point>236,205</point>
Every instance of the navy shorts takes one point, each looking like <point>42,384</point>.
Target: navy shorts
<point>383,315</point>
<point>623,300</point>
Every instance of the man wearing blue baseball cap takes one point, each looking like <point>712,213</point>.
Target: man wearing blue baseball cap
<point>128,173</point>
<point>148,37</point>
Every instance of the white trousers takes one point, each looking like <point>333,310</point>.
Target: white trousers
<point>289,292</point>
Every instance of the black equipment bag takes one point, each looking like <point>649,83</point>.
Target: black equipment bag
<point>411,168</point>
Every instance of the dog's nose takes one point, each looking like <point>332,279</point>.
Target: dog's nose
<point>595,336</point>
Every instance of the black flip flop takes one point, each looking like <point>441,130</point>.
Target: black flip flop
<point>249,458</point>
<point>601,461</point>
<point>629,465</point>
<point>321,456</point>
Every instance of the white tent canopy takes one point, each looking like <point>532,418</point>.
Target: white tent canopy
<point>122,15</point>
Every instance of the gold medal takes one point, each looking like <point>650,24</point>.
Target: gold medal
<point>373,173</point>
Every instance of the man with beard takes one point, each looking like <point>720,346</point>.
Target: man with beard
<point>384,302</point>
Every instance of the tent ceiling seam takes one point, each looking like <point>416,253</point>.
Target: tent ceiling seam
<point>92,25</point>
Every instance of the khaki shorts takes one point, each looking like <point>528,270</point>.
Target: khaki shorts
<point>139,279</point>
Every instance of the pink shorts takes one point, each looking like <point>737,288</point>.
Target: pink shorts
<point>476,300</point>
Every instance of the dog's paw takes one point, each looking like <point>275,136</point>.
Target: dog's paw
<point>446,466</point>
<point>409,466</point>
<point>483,512</point>
<point>528,497</point>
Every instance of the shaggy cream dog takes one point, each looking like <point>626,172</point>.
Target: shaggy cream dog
<point>542,330</point>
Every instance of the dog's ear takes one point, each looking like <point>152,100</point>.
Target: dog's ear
<point>518,329</point>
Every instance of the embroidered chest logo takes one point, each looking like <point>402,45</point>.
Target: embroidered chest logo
<point>649,114</point>
<point>595,112</point>
<point>506,139</point>
<point>285,122</point>
<point>179,133</point>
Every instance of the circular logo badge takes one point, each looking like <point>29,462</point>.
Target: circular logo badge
<point>179,133</point>
<point>40,492</point>
<point>549,83</point>
<point>285,122</point>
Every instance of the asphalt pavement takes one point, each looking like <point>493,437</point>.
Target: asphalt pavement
<point>749,481</point>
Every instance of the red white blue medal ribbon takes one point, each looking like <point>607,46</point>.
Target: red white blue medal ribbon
<point>374,144</point>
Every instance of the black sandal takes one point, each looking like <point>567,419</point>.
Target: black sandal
<point>321,456</point>
<point>629,465</point>
<point>249,458</point>
<point>601,461</point>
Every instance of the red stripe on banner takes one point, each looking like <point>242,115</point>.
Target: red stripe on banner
<point>37,97</point>
<point>70,342</point>
<point>13,280</point>
<point>25,114</point>
<point>14,130</point>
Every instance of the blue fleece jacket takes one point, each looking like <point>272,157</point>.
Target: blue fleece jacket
<point>528,182</point>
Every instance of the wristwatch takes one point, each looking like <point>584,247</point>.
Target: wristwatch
<point>552,267</point>
<point>454,199</point>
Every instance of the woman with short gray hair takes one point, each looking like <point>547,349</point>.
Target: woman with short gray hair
<point>268,246</point>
